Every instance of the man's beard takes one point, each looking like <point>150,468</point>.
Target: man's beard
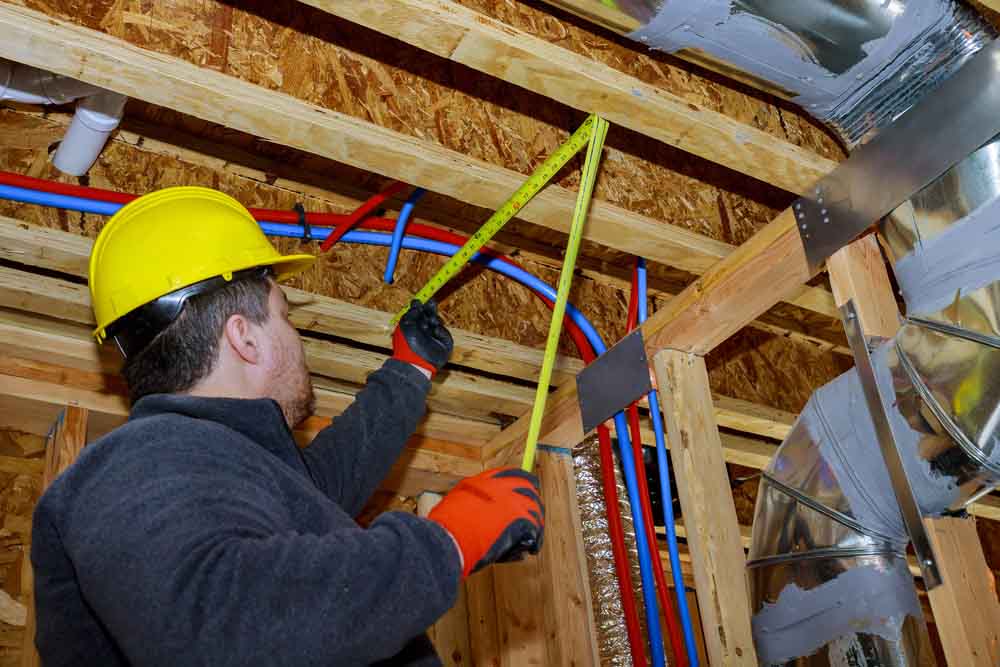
<point>298,399</point>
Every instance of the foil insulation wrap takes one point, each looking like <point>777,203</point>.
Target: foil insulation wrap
<point>612,637</point>
<point>855,65</point>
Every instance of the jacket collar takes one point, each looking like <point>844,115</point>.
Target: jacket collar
<point>259,419</point>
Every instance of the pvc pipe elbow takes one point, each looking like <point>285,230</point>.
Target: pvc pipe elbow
<point>95,119</point>
<point>30,85</point>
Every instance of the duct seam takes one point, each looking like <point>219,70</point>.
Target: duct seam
<point>832,514</point>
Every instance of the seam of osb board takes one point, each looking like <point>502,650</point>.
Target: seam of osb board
<point>32,37</point>
<point>451,31</point>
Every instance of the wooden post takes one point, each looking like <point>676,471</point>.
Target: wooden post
<point>965,606</point>
<point>68,439</point>
<point>713,531</point>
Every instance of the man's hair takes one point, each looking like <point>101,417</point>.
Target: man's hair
<point>186,351</point>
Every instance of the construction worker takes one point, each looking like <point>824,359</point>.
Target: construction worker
<point>198,533</point>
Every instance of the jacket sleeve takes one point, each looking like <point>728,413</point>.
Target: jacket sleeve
<point>183,569</point>
<point>349,458</point>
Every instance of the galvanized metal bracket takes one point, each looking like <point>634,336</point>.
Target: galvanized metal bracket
<point>944,127</point>
<point>908,507</point>
<point>613,381</point>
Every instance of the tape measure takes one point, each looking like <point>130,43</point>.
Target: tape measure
<point>531,187</point>
<point>587,180</point>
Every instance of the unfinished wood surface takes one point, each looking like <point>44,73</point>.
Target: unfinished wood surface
<point>450,634</point>
<point>965,607</point>
<point>597,12</point>
<point>68,439</point>
<point>484,632</point>
<point>570,630</point>
<point>451,31</point>
<point>29,244</point>
<point>858,272</point>
<point>720,302</point>
<point>709,514</point>
<point>33,38</point>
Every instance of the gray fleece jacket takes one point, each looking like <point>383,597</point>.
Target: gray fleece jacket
<point>199,534</point>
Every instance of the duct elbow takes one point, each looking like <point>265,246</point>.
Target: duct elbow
<point>97,115</point>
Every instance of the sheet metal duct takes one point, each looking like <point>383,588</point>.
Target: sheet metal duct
<point>856,65</point>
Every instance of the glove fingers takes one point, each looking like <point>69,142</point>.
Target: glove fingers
<point>505,473</point>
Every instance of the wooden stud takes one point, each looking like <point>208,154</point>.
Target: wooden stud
<point>965,607</point>
<point>68,439</point>
<point>709,513</point>
<point>33,38</point>
<point>484,633</point>
<point>858,272</point>
<point>466,36</point>
<point>715,306</point>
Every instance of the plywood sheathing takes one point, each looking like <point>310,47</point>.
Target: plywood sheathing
<point>313,56</point>
<point>754,366</point>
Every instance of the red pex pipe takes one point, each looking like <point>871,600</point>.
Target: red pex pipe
<point>675,634</point>
<point>609,485</point>
<point>360,213</point>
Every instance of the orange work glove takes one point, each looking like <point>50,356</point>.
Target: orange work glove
<point>494,517</point>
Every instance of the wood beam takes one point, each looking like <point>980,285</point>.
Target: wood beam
<point>713,531</point>
<point>466,36</point>
<point>720,302</point>
<point>33,38</point>
<point>140,137</point>
<point>858,272</point>
<point>456,390</point>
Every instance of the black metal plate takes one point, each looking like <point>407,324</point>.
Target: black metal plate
<point>616,379</point>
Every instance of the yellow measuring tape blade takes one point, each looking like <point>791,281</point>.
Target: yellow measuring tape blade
<point>538,180</point>
<point>587,180</point>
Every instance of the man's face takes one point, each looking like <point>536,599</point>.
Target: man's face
<point>290,384</point>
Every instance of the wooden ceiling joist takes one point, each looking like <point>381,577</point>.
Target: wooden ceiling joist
<point>33,38</point>
<point>68,253</point>
<point>447,29</point>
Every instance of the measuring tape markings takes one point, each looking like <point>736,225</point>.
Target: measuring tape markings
<point>524,194</point>
<point>587,180</point>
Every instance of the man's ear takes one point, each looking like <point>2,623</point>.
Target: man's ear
<point>242,338</point>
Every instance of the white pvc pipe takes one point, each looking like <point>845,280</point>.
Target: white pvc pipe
<point>97,114</point>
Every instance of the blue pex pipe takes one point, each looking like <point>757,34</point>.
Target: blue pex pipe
<point>363,237</point>
<point>397,233</point>
<point>666,493</point>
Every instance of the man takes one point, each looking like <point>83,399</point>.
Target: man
<point>198,533</point>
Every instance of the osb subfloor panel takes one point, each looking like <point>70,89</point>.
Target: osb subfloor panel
<point>754,366</point>
<point>311,55</point>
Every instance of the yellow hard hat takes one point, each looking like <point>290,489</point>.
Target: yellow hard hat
<point>171,239</point>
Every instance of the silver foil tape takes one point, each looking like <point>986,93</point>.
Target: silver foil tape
<point>612,637</point>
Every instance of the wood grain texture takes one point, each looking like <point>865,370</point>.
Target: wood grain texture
<point>709,514</point>
<point>965,607</point>
<point>484,632</point>
<point>736,290</point>
<point>465,36</point>
<point>67,441</point>
<point>39,40</point>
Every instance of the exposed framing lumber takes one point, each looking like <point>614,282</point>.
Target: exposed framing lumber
<point>68,438</point>
<point>142,137</point>
<point>33,38</point>
<point>858,272</point>
<point>713,531</point>
<point>465,36</point>
<point>61,251</point>
<point>736,290</point>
